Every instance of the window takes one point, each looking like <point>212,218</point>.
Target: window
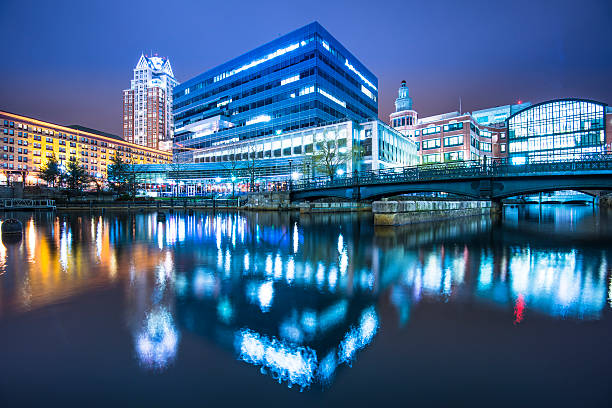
<point>453,156</point>
<point>430,144</point>
<point>453,126</point>
<point>431,130</point>
<point>453,140</point>
<point>502,147</point>
<point>431,158</point>
<point>474,129</point>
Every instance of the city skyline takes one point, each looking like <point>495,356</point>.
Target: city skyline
<point>570,51</point>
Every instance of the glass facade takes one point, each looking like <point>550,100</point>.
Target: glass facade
<point>303,79</point>
<point>498,114</point>
<point>557,130</point>
<point>368,146</point>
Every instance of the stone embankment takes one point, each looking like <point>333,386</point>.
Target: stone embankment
<point>334,207</point>
<point>270,201</point>
<point>410,212</point>
<point>605,201</point>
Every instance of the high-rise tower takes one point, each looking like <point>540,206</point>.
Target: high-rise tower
<point>147,105</point>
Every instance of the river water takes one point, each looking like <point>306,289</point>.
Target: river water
<point>269,309</point>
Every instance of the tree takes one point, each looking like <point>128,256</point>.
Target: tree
<point>251,165</point>
<point>50,172</point>
<point>120,177</point>
<point>329,156</point>
<point>98,183</point>
<point>76,177</point>
<point>175,171</point>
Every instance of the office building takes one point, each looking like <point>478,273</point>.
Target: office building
<point>557,130</point>
<point>27,143</point>
<point>147,105</point>
<point>453,136</point>
<point>263,118</point>
<point>301,80</point>
<point>255,164</point>
<point>498,114</point>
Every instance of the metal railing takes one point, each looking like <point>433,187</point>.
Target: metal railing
<point>159,204</point>
<point>25,204</point>
<point>457,170</point>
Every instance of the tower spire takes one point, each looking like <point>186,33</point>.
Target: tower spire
<point>403,101</point>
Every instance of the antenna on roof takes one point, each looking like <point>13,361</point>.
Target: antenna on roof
<point>460,105</point>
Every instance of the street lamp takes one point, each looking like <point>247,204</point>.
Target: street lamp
<point>290,173</point>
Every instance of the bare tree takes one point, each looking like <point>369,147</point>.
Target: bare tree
<point>329,156</point>
<point>252,165</point>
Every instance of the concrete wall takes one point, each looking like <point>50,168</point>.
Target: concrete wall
<point>605,201</point>
<point>410,212</point>
<point>334,207</point>
<point>270,201</point>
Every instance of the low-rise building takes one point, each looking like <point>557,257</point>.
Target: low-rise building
<point>453,136</point>
<point>27,143</point>
<point>562,129</point>
<point>260,162</point>
<point>498,114</point>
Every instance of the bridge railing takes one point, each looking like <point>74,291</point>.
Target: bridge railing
<point>457,170</point>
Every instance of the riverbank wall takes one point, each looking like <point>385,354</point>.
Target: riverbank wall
<point>154,205</point>
<point>270,201</point>
<point>391,213</point>
<point>306,208</point>
<point>281,201</point>
<point>605,201</point>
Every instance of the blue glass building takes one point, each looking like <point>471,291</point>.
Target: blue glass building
<point>557,130</point>
<point>300,80</point>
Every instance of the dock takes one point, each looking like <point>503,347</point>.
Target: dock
<point>24,204</point>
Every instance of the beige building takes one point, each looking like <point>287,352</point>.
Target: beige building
<point>27,143</point>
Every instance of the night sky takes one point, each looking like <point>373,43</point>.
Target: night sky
<point>68,61</point>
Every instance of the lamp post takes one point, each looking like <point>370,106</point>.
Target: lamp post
<point>290,173</point>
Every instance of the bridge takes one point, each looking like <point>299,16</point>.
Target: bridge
<point>470,179</point>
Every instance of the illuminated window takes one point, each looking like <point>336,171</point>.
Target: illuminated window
<point>430,144</point>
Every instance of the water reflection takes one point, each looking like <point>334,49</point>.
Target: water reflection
<point>298,296</point>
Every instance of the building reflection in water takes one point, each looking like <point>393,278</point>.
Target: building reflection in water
<point>294,296</point>
<point>562,283</point>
